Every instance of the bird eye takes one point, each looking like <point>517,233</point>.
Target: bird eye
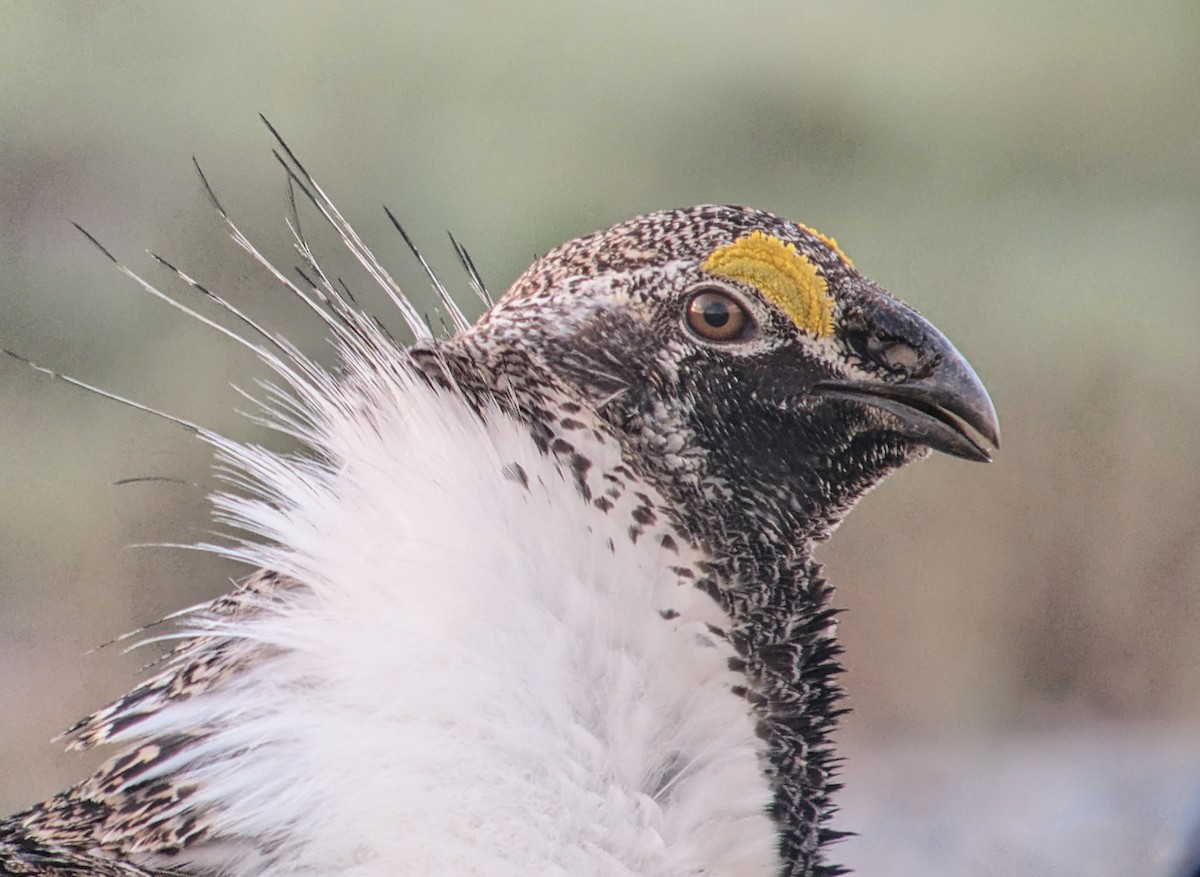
<point>715,315</point>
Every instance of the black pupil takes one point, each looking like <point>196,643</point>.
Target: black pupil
<point>716,313</point>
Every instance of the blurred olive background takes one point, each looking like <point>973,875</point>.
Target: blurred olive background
<point>1023,639</point>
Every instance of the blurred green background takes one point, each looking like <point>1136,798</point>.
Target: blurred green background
<point>1026,173</point>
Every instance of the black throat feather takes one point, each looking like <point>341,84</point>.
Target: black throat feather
<point>758,526</point>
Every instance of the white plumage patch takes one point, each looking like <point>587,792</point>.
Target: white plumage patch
<point>475,677</point>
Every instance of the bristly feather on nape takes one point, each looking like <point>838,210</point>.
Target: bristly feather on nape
<point>537,593</point>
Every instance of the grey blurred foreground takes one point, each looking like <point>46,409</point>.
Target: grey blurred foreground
<point>1069,804</point>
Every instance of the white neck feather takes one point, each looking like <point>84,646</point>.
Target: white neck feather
<point>474,679</point>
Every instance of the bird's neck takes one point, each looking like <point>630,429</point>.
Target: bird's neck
<point>579,705</point>
<point>785,631</point>
<point>759,568</point>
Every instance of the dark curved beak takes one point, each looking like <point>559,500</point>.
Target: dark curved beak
<point>935,398</point>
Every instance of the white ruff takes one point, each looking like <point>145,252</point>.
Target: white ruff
<point>472,681</point>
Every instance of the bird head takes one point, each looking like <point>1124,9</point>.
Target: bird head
<point>743,361</point>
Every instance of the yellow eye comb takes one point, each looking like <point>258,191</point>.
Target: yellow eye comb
<point>784,276</point>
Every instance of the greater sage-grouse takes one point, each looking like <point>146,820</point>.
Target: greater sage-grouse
<point>538,597</point>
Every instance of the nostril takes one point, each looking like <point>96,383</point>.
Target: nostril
<point>893,353</point>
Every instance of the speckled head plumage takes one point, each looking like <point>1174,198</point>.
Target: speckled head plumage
<point>828,384</point>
